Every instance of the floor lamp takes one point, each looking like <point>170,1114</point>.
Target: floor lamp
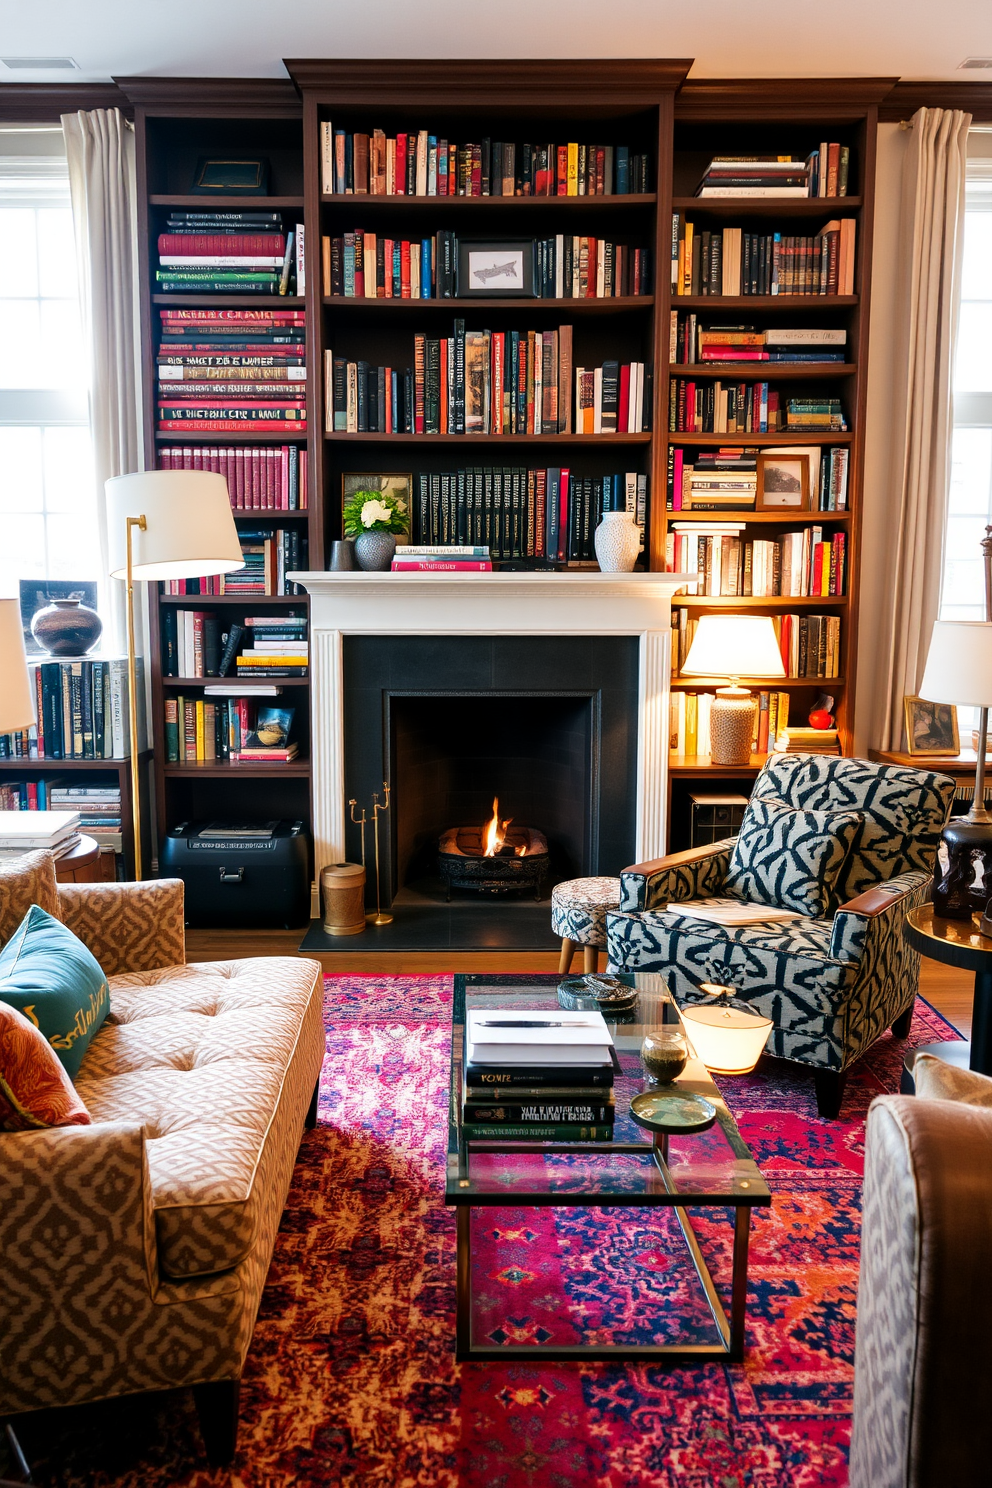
<point>16,701</point>
<point>165,524</point>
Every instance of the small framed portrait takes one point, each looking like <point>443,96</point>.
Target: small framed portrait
<point>783,482</point>
<point>931,728</point>
<point>495,270</point>
<point>397,486</point>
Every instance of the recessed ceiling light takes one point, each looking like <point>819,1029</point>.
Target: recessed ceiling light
<point>976,62</point>
<point>40,64</point>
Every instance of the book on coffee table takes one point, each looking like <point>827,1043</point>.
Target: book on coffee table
<point>538,1076</point>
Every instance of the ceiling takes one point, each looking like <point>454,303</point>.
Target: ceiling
<point>728,38</point>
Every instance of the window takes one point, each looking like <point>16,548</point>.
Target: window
<point>47,492</point>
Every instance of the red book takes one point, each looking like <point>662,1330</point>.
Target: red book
<point>600,169</point>
<point>562,183</point>
<point>443,391</point>
<point>563,493</point>
<point>228,426</point>
<point>591,275</point>
<point>441,565</point>
<point>405,270</point>
<point>623,412</point>
<point>418,384</point>
<point>400,183</point>
<point>816,586</point>
<point>293,317</point>
<point>246,245</point>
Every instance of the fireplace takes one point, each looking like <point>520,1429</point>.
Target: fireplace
<point>497,858</point>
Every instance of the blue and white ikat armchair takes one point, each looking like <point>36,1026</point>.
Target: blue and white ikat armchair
<point>831,983</point>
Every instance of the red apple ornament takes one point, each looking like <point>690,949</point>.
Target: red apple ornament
<point>820,719</point>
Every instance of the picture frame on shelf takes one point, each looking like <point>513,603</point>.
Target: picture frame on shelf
<point>496,268</point>
<point>931,728</point>
<point>783,481</point>
<point>248,176</point>
<point>395,483</point>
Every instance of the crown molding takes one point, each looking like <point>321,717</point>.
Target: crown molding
<point>583,80</point>
<point>44,103</point>
<point>257,97</point>
<point>778,98</point>
<point>907,96</point>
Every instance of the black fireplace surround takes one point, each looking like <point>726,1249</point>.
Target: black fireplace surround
<point>546,723</point>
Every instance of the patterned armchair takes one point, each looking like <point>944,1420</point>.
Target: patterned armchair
<point>831,986</point>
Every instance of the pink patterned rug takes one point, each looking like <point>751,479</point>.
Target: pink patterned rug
<point>351,1379</point>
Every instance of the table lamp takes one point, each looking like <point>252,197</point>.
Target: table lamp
<point>16,700</point>
<point>733,646</point>
<point>165,524</point>
<point>959,671</point>
<point>728,1034</point>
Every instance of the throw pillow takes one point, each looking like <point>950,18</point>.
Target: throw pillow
<point>789,858</point>
<point>49,975</point>
<point>35,1090</point>
<point>935,1079</point>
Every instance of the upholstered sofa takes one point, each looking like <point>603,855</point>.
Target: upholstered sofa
<point>830,985</point>
<point>133,1251</point>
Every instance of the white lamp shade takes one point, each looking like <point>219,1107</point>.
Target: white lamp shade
<point>734,646</point>
<point>959,664</point>
<point>190,530</point>
<point>727,1040</point>
<point>16,693</point>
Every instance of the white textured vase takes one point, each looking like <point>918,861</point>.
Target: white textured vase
<point>618,542</point>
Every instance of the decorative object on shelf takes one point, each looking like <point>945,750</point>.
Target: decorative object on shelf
<point>342,556</point>
<point>664,1053</point>
<point>66,627</point>
<point>374,551</point>
<point>931,727</point>
<point>343,889</point>
<point>16,700</point>
<point>669,1113</point>
<point>606,993</point>
<point>783,481</point>
<point>40,594</point>
<point>733,646</point>
<point>492,268</point>
<point>821,715</point>
<point>618,542</point>
<point>165,524</point>
<point>727,1033</point>
<point>373,518</point>
<point>380,917</point>
<point>243,177</point>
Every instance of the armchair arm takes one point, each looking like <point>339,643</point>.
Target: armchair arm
<point>697,873</point>
<point>879,911</point>
<point>128,926</point>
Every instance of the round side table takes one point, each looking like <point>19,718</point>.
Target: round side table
<point>81,865</point>
<point>958,943</point>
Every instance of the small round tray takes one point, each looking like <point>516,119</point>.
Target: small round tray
<point>675,1111</point>
<point>608,994</point>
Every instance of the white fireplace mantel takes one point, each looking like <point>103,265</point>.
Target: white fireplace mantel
<point>472,604</point>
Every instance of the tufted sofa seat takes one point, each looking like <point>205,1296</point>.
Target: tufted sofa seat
<point>134,1251</point>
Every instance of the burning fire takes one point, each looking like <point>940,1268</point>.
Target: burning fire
<point>494,834</point>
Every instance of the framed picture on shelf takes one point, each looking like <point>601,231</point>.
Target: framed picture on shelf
<point>495,269</point>
<point>931,728</point>
<point>244,177</point>
<point>398,484</point>
<point>783,481</point>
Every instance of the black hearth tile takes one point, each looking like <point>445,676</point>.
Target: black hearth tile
<point>465,925</point>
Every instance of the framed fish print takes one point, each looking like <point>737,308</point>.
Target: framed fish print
<point>495,269</point>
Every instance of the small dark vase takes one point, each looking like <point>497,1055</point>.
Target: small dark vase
<point>342,556</point>
<point>956,896</point>
<point>66,627</point>
<point>374,551</point>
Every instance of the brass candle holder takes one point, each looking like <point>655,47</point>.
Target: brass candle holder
<point>380,917</point>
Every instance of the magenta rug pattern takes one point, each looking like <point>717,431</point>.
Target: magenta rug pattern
<point>351,1379</point>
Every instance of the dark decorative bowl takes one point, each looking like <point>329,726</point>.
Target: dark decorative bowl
<point>66,627</point>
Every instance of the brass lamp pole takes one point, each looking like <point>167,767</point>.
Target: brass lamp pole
<point>132,691</point>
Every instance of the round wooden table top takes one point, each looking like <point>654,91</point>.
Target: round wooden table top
<point>955,942</point>
<point>85,853</point>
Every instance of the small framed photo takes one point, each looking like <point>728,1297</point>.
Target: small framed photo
<point>495,270</point>
<point>783,482</point>
<point>244,177</point>
<point>931,728</point>
<point>398,484</point>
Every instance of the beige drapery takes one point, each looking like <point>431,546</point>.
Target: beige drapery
<point>100,153</point>
<point>919,230</point>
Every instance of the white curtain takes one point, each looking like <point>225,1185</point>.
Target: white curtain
<point>920,234</point>
<point>99,148</point>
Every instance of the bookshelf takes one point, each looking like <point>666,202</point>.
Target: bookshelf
<point>94,772</point>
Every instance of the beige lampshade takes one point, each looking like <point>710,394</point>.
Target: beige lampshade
<point>728,1039</point>
<point>16,694</point>
<point>959,664</point>
<point>190,530</point>
<point>734,646</point>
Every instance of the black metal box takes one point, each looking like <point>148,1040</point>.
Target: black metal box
<point>715,817</point>
<point>241,874</point>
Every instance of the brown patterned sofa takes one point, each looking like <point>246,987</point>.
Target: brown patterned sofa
<point>133,1252</point>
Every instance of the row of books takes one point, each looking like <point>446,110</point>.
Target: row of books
<point>538,1076</point>
<point>725,478</point>
<point>229,253</point>
<point>442,558</point>
<point>361,265</point>
<point>97,807</point>
<point>720,407</point>
<point>691,342</point>
<point>810,644</point>
<point>82,711</point>
<point>269,554</point>
<point>734,262</point>
<point>195,645</point>
<point>797,564</point>
<point>689,721</point>
<point>222,371</point>
<point>824,172</point>
<point>259,478</point>
<point>233,730</point>
<point>547,515</point>
<point>425,164</point>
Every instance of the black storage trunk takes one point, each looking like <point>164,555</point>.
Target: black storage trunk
<point>241,874</point>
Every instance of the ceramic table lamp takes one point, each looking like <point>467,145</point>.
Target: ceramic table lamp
<point>733,646</point>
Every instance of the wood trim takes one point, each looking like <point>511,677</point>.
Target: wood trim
<point>618,81</point>
<point>779,98</point>
<point>672,860</point>
<point>906,97</point>
<point>45,103</point>
<point>873,902</point>
<point>270,97</point>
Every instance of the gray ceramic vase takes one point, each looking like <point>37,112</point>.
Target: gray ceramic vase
<point>66,627</point>
<point>374,550</point>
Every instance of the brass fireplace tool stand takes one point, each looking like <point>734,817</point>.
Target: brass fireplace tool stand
<point>380,917</point>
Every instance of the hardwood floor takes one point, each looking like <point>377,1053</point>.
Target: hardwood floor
<point>949,991</point>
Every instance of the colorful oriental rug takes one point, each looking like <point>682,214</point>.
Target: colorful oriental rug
<point>351,1379</point>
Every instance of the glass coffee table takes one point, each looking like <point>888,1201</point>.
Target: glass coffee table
<point>709,1171</point>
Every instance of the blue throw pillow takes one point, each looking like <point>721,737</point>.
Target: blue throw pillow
<point>790,858</point>
<point>49,975</point>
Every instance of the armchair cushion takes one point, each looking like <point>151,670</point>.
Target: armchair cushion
<point>35,1090</point>
<point>791,858</point>
<point>50,976</point>
<point>935,1079</point>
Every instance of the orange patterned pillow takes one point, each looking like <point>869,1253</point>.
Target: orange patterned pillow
<point>35,1090</point>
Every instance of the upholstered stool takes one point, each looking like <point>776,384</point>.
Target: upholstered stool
<point>578,915</point>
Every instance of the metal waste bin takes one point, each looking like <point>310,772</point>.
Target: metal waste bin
<point>343,889</point>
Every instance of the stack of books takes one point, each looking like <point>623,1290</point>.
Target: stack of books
<point>31,831</point>
<point>226,252</point>
<point>267,478</point>
<point>426,164</point>
<point>815,413</point>
<point>538,1076</point>
<point>734,262</point>
<point>691,342</point>
<point>279,647</point>
<point>227,371</point>
<point>449,558</point>
<point>808,741</point>
<point>98,806</point>
<point>805,563</point>
<point>725,479</point>
<point>751,175</point>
